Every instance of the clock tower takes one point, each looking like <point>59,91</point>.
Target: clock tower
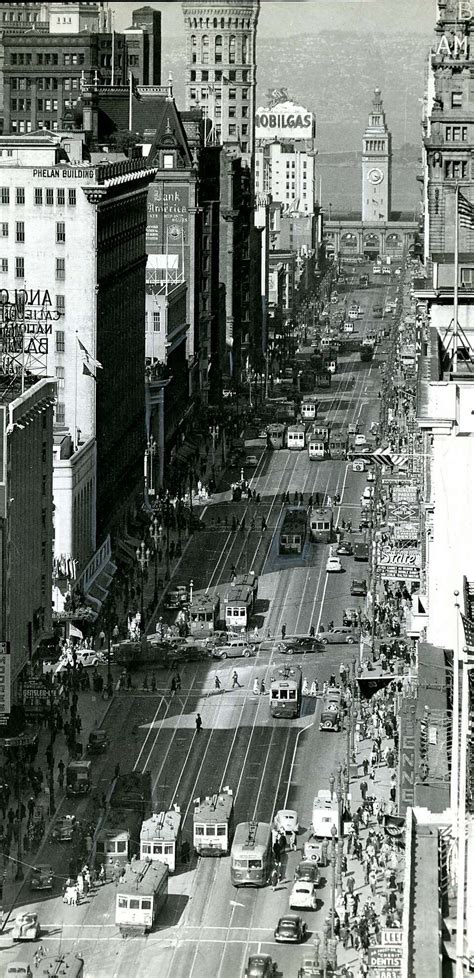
<point>376,166</point>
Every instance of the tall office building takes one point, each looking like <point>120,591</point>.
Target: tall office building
<point>45,63</point>
<point>221,67</point>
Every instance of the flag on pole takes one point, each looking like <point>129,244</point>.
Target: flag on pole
<point>465,212</point>
<point>90,364</point>
<point>468,626</point>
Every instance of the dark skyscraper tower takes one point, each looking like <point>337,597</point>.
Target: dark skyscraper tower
<point>221,67</point>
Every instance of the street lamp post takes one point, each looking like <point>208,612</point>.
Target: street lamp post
<point>151,450</point>
<point>143,558</point>
<point>155,534</point>
<point>167,566</point>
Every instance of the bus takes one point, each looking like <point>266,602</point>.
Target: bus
<point>251,854</point>
<point>321,525</point>
<point>59,965</point>
<point>323,378</point>
<point>160,837</point>
<point>213,824</point>
<point>203,615</point>
<point>285,692</point>
<point>295,437</point>
<point>141,893</point>
<point>293,532</point>
<point>276,435</point>
<point>361,548</point>
<point>239,602</point>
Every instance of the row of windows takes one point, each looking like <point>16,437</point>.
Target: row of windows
<point>38,199</point>
<point>210,830</point>
<point>232,95</point>
<point>44,84</point>
<point>455,169</point>
<point>218,75</point>
<point>456,134</point>
<point>375,145</point>
<point>158,848</point>
<point>46,58</point>
<point>133,903</point>
<point>214,53</point>
<point>20,267</point>
<point>245,24</point>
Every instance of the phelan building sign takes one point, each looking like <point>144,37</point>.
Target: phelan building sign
<point>284,120</point>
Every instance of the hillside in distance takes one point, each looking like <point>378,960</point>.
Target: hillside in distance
<point>334,74</point>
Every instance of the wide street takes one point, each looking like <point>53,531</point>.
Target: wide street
<point>208,927</point>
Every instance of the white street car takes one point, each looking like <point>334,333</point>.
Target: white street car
<point>333,565</point>
<point>303,896</point>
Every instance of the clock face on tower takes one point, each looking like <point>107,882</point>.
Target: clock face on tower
<point>375,175</point>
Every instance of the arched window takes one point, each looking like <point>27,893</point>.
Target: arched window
<point>215,22</point>
<point>193,49</point>
<point>245,49</point>
<point>218,53</point>
<point>205,49</point>
<point>232,49</point>
<point>222,23</point>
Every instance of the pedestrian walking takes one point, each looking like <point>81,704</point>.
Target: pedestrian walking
<point>274,878</point>
<point>102,874</point>
<point>350,884</point>
<point>312,632</point>
<point>198,723</point>
<point>39,954</point>
<point>178,682</point>
<point>262,688</point>
<point>365,766</point>
<point>283,631</point>
<point>217,682</point>
<point>235,680</point>
<point>173,686</point>
<point>102,638</point>
<point>363,789</point>
<point>373,882</point>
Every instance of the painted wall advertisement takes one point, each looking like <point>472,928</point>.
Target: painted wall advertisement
<point>167,237</point>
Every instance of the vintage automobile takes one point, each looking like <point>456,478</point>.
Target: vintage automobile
<point>19,969</point>
<point>303,895</point>
<point>310,967</point>
<point>358,587</point>
<point>340,635</point>
<point>98,742</point>
<point>63,829</point>
<point>42,877</point>
<point>291,929</point>
<point>260,966</point>
<point>26,927</point>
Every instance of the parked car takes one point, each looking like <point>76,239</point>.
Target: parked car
<point>42,877</point>
<point>358,588</point>
<point>340,635</point>
<point>260,966</point>
<point>272,645</point>
<point>308,872</point>
<point>291,929</point>
<point>344,548</point>
<point>303,895</point>
<point>179,654</point>
<point>360,440</point>
<point>87,658</point>
<point>333,565</point>
<point>251,461</point>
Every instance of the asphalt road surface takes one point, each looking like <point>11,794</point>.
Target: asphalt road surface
<point>208,928</point>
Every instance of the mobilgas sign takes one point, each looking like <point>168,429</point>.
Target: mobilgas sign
<point>284,120</point>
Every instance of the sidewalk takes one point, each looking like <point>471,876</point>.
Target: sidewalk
<point>371,896</point>
<point>92,710</point>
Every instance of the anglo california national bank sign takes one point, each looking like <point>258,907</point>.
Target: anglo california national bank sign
<point>285,119</point>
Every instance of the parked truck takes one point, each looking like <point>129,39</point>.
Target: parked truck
<point>361,547</point>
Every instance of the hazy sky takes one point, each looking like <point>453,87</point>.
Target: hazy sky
<point>282,17</point>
